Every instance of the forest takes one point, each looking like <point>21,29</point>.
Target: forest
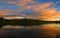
<point>24,22</point>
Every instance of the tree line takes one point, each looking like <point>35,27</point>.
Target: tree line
<point>24,22</point>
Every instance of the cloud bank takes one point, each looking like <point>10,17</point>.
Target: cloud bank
<point>45,11</point>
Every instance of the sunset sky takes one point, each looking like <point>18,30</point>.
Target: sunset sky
<point>41,9</point>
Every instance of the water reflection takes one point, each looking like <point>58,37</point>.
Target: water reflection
<point>51,30</point>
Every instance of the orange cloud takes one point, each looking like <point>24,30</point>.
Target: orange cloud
<point>39,7</point>
<point>4,12</point>
<point>36,6</point>
<point>24,2</point>
<point>1,14</point>
<point>42,13</point>
<point>49,14</point>
<point>43,10</point>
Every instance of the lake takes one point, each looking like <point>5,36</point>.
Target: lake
<point>51,30</point>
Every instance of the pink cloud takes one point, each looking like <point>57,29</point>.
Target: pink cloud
<point>39,8</point>
<point>4,12</point>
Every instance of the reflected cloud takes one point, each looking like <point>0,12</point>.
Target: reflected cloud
<point>50,30</point>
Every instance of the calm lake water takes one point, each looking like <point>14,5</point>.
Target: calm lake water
<point>38,31</point>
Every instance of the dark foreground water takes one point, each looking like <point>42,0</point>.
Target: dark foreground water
<point>38,31</point>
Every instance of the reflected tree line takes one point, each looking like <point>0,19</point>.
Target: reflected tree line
<point>24,22</point>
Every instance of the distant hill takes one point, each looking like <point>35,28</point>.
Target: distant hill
<point>24,22</point>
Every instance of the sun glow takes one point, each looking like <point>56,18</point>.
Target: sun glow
<point>13,17</point>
